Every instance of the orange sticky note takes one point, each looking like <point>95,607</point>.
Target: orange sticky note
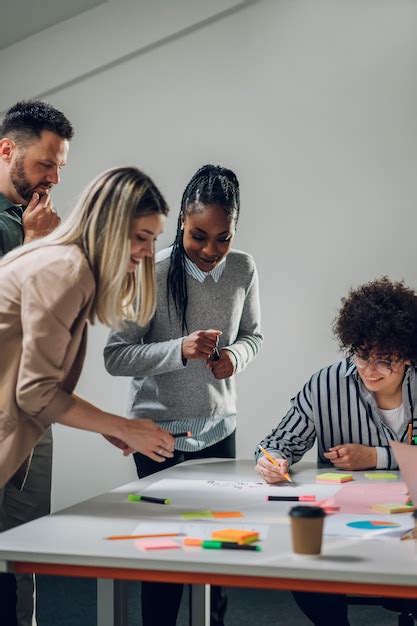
<point>192,541</point>
<point>236,535</point>
<point>220,514</point>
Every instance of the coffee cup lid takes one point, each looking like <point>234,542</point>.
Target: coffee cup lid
<point>307,511</point>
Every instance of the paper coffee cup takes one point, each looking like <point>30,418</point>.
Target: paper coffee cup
<point>307,529</point>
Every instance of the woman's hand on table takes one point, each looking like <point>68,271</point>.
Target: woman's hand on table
<point>352,456</point>
<point>272,473</point>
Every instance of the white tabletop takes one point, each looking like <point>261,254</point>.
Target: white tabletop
<point>75,536</point>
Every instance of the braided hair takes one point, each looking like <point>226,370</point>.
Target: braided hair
<point>213,185</point>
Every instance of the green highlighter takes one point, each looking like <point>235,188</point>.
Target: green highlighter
<point>228,545</point>
<point>136,497</point>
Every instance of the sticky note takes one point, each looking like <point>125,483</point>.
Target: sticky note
<point>235,534</point>
<point>330,509</point>
<point>334,477</point>
<point>381,476</point>
<point>392,507</point>
<point>157,543</point>
<point>222,514</point>
<point>197,515</point>
<point>192,541</point>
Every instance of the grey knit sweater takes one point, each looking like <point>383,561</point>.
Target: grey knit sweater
<point>162,387</point>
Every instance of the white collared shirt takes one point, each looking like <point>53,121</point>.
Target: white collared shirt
<point>194,271</point>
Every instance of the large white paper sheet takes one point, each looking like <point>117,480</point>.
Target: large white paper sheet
<point>229,495</point>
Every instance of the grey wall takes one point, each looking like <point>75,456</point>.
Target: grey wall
<point>312,102</point>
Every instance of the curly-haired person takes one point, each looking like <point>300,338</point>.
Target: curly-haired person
<point>354,407</point>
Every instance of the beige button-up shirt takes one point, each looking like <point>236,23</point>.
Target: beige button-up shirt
<point>45,299</point>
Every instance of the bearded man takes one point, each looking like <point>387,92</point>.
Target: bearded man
<point>34,143</point>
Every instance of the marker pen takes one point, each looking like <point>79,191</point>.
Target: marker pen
<point>291,498</point>
<point>134,497</point>
<point>228,545</point>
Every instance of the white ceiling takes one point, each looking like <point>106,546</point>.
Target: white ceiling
<point>21,18</point>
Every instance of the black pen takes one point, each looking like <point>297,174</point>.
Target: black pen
<point>187,433</point>
<point>216,354</point>
<point>292,498</point>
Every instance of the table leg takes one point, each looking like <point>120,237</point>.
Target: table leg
<point>111,602</point>
<point>199,605</point>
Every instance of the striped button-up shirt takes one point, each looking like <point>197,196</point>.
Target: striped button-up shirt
<point>193,270</point>
<point>334,407</point>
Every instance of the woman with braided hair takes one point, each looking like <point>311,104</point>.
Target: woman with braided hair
<point>206,328</point>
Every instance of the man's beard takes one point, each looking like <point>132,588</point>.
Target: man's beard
<point>20,180</point>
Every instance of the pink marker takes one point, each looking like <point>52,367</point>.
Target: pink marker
<point>291,498</point>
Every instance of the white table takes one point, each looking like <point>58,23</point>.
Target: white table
<point>71,543</point>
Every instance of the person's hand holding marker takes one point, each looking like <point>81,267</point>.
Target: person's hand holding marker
<point>200,344</point>
<point>144,436</point>
<point>222,364</point>
<point>272,471</point>
<point>118,443</point>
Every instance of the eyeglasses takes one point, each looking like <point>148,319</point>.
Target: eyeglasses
<point>383,366</point>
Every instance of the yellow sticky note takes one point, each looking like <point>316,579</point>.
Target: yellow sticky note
<point>381,476</point>
<point>392,507</point>
<point>334,477</point>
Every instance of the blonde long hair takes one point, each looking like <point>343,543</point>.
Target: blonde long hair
<point>100,225</point>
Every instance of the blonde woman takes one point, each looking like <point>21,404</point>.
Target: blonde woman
<point>95,266</point>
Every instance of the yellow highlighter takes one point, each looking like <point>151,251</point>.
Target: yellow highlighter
<point>274,462</point>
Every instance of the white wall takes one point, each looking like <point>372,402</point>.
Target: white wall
<point>313,103</point>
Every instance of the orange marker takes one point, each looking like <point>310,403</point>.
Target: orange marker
<point>116,537</point>
<point>274,462</point>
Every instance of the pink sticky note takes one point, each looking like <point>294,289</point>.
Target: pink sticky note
<point>358,498</point>
<point>157,543</point>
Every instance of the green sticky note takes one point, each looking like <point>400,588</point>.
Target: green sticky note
<point>197,514</point>
<point>381,476</point>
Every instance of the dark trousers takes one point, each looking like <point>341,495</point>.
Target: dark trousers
<point>323,609</point>
<point>327,609</point>
<point>167,596</point>
<point>8,599</point>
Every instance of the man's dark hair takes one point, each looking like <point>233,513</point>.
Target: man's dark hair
<point>379,317</point>
<point>27,119</point>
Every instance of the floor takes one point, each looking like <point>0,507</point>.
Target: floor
<point>57,607</point>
